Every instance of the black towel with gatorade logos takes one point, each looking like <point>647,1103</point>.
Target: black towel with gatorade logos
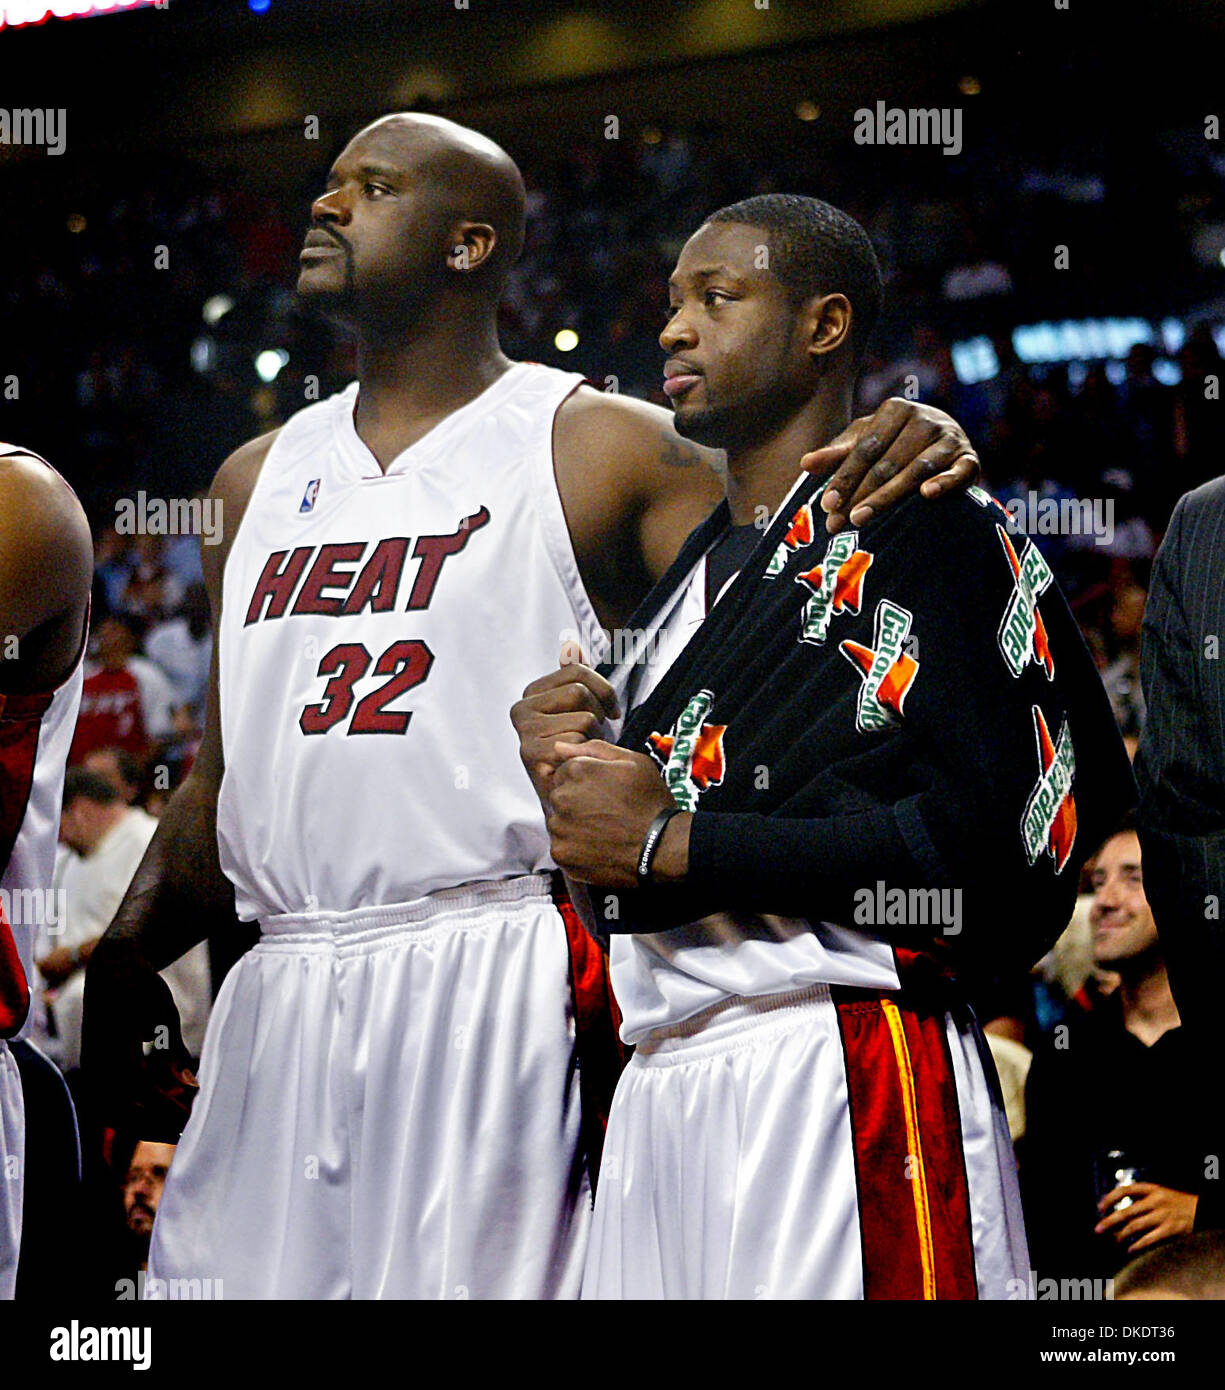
<point>911,702</point>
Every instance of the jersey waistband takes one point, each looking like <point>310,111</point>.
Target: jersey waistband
<point>365,923</point>
<point>723,1025</point>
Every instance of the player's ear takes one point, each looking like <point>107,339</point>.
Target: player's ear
<point>472,245</point>
<point>828,323</point>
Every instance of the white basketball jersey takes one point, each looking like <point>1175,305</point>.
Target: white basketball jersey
<point>376,629</point>
<point>35,735</point>
<point>663,978</point>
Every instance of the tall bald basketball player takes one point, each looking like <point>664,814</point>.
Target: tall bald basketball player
<point>46,566</point>
<point>389,1105</point>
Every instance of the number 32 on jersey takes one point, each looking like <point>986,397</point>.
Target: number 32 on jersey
<point>406,664</point>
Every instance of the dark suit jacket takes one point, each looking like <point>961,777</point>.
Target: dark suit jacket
<point>1180,768</point>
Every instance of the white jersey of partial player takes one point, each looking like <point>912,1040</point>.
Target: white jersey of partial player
<point>26,880</point>
<point>33,753</point>
<point>376,628</point>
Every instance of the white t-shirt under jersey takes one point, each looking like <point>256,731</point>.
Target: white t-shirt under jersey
<point>662,978</point>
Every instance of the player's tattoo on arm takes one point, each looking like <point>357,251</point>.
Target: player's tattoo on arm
<point>675,453</point>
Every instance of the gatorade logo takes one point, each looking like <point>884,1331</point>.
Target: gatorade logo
<point>1022,634</point>
<point>801,532</point>
<point>886,669</point>
<point>983,498</point>
<point>1049,822</point>
<point>692,754</point>
<point>836,585</point>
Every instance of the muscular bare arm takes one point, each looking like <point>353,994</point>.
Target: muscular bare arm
<point>633,489</point>
<point>46,568</point>
<point>179,893</point>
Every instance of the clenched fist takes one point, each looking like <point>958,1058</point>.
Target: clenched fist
<point>568,706</point>
<point>603,802</point>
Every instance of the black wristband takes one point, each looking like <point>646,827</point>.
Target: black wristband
<point>655,833</point>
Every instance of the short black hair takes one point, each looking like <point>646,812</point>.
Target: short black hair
<point>79,781</point>
<point>1128,824</point>
<point>816,248</point>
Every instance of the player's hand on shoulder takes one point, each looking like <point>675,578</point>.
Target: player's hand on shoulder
<point>882,458</point>
<point>567,706</point>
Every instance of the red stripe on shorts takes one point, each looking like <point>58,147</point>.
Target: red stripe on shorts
<point>597,1021</point>
<point>914,1200</point>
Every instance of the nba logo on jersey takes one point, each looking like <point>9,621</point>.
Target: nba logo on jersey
<point>309,496</point>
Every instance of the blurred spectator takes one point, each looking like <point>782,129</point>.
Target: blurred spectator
<point>1146,405</point>
<point>1122,676</point>
<point>108,839</point>
<point>1101,438</point>
<point>1068,968</point>
<point>182,646</point>
<point>126,700</point>
<point>1147,408</point>
<point>176,755</point>
<point>142,1192</point>
<point>1128,536</point>
<point>152,590</point>
<point>113,560</point>
<point>1111,1159</point>
<point>181,554</point>
<point>1199,413</point>
<point>118,767</point>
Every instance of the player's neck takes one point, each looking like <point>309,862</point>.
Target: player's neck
<point>762,473</point>
<point>410,382</point>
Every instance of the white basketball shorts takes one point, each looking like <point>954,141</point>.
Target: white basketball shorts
<point>388,1108</point>
<point>12,1165</point>
<point>830,1143</point>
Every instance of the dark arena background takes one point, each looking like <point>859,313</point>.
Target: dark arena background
<point>1054,265</point>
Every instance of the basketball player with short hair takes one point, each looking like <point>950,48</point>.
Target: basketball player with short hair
<point>46,568</point>
<point>389,1104</point>
<point>838,755</point>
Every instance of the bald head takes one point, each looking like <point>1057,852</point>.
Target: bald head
<point>474,178</point>
<point>421,222</point>
<point>1187,1267</point>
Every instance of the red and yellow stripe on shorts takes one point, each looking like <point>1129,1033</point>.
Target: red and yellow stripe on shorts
<point>909,1163</point>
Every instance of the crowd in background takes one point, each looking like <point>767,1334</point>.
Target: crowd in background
<point>139,376</point>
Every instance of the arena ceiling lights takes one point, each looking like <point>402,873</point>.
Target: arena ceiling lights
<point>23,12</point>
